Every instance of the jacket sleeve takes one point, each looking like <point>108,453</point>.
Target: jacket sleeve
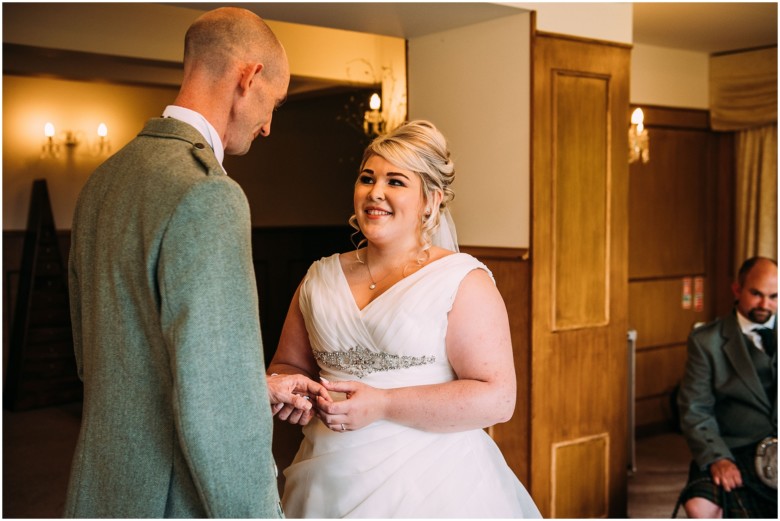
<point>210,321</point>
<point>697,406</point>
<point>74,298</point>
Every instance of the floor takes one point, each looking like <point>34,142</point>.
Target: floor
<point>38,445</point>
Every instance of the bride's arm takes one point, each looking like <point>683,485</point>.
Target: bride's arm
<point>294,354</point>
<point>479,349</point>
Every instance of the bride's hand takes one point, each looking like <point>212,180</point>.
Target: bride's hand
<point>363,406</point>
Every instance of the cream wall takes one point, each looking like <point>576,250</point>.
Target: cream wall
<point>28,103</point>
<point>473,83</point>
<point>659,76</point>
<point>480,98</point>
<point>156,32</point>
<point>609,21</point>
<point>669,77</point>
<point>152,32</point>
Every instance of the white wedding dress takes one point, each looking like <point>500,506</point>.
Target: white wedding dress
<point>385,469</point>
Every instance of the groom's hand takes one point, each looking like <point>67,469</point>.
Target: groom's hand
<point>291,397</point>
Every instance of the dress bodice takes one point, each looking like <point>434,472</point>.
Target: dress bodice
<point>398,338</point>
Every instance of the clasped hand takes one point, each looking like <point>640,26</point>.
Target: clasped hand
<point>363,406</point>
<point>291,397</point>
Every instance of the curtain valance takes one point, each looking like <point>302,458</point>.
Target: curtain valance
<point>743,89</point>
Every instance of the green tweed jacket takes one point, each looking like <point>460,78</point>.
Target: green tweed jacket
<point>722,402</point>
<point>176,420</point>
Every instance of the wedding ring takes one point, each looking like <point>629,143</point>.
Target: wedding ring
<point>342,427</point>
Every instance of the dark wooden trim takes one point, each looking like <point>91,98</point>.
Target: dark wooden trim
<point>497,253</point>
<point>678,118</point>
<point>27,60</point>
<point>672,276</point>
<point>582,39</point>
<point>659,347</point>
<point>740,51</point>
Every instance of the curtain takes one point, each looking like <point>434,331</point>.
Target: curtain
<point>743,89</point>
<point>756,193</point>
<point>743,99</point>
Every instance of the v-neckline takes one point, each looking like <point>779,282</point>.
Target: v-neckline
<point>388,290</point>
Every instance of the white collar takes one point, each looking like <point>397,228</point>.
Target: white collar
<point>746,325</point>
<point>201,124</point>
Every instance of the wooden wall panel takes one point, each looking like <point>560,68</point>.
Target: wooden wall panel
<point>579,200</point>
<point>653,414</point>
<point>512,272</point>
<point>668,209</point>
<point>574,497</point>
<point>678,229</point>
<point>656,311</point>
<point>579,357</point>
<point>659,370</point>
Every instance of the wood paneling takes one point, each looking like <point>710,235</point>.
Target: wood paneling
<point>653,414</point>
<point>656,312</point>
<point>580,199</point>
<point>659,370</point>
<point>668,210</point>
<point>574,497</point>
<point>680,214</point>
<point>579,222</point>
<point>512,274</point>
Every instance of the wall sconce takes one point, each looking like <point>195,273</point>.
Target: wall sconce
<point>71,139</point>
<point>638,140</point>
<point>373,123</point>
<point>103,145</point>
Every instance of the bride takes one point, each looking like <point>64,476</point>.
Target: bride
<point>412,341</point>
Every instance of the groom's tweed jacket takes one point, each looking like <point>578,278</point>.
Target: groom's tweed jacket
<point>176,419</point>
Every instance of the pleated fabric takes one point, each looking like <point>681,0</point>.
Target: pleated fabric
<point>385,469</point>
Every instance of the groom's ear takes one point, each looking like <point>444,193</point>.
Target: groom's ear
<point>249,75</point>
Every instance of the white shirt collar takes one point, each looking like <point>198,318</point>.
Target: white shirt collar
<point>201,124</point>
<point>748,325</point>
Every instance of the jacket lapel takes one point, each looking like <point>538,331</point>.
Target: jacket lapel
<point>736,351</point>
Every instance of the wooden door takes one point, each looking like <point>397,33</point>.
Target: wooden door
<point>579,277</point>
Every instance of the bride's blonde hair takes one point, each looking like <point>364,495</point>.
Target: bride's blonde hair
<point>420,147</point>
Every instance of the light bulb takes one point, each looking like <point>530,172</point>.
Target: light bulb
<point>48,130</point>
<point>375,102</point>
<point>102,130</point>
<point>637,117</point>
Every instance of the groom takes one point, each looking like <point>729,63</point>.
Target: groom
<point>177,415</point>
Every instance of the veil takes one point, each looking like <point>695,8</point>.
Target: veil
<point>446,237</point>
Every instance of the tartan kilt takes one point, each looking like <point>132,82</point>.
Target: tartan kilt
<point>752,500</point>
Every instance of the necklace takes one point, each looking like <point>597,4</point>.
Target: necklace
<point>374,283</point>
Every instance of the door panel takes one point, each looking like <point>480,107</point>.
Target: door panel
<point>579,277</point>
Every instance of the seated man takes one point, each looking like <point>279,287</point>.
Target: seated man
<point>728,400</point>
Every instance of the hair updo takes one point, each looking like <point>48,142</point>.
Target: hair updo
<point>418,146</point>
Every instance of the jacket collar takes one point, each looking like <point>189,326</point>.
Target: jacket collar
<point>171,128</point>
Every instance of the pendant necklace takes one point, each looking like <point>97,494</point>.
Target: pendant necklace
<point>373,284</point>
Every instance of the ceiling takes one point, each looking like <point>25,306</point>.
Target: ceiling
<point>706,27</point>
<point>701,27</point>
<point>709,27</point>
<point>399,19</point>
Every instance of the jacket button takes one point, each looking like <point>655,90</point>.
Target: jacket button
<point>200,146</point>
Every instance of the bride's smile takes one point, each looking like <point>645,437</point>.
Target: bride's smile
<point>388,202</point>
